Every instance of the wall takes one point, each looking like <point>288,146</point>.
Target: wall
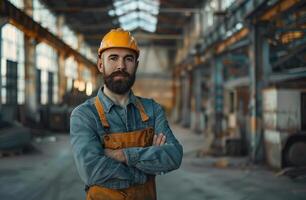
<point>153,59</point>
<point>282,116</point>
<point>154,78</point>
<point>160,89</point>
<point>282,109</point>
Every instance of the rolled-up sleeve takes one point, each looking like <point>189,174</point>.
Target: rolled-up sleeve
<point>93,166</point>
<point>157,159</point>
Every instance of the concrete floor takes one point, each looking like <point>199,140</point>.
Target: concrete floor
<point>200,179</point>
<point>48,173</point>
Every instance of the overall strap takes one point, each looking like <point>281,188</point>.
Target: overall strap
<point>100,109</point>
<point>143,114</point>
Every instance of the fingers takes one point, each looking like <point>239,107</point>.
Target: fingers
<point>154,139</point>
<point>159,139</point>
<point>163,140</point>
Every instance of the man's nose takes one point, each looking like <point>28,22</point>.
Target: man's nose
<point>121,64</point>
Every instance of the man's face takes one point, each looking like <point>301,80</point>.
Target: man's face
<point>118,67</point>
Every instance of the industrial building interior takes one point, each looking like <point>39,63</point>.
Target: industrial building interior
<point>231,76</point>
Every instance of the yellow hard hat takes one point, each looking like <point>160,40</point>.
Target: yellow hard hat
<point>118,38</point>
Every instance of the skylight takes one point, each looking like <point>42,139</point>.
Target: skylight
<point>133,14</point>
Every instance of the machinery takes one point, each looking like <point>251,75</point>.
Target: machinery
<point>284,114</point>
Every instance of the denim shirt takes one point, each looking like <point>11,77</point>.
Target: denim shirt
<point>95,168</point>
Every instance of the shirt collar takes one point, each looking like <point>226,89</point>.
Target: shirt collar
<point>108,103</point>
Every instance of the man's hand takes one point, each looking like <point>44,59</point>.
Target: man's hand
<point>115,154</point>
<point>159,139</point>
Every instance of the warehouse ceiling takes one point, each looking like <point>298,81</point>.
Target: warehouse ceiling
<point>152,21</point>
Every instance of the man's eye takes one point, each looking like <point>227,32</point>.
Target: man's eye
<point>130,59</point>
<point>113,58</point>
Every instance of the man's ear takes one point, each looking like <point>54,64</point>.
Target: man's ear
<point>100,64</point>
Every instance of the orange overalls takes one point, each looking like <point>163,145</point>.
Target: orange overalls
<point>138,138</point>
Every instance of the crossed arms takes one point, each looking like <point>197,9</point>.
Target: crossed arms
<point>119,155</point>
<point>124,167</point>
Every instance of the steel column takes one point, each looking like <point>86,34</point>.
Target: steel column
<point>218,94</point>
<point>30,79</point>
<point>62,80</point>
<point>217,67</point>
<point>186,99</point>
<point>259,73</point>
<point>197,115</point>
<point>176,97</point>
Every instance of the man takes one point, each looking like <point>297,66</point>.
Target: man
<point>120,141</point>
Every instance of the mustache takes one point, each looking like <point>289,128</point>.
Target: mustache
<point>121,73</point>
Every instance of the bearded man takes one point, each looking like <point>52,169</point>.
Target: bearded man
<point>120,141</point>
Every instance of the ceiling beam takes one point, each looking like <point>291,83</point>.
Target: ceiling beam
<point>34,30</point>
<point>105,27</point>
<point>175,21</point>
<point>97,27</point>
<point>143,36</point>
<point>75,9</point>
<point>279,8</point>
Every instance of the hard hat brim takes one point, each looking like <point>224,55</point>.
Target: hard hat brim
<point>120,47</point>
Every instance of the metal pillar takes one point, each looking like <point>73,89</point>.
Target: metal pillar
<point>176,97</point>
<point>259,72</point>
<point>62,80</point>
<point>217,67</point>
<point>197,114</point>
<point>266,65</point>
<point>31,103</point>
<point>218,95</point>
<point>186,99</point>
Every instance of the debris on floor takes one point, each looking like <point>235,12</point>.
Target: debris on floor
<point>221,163</point>
<point>293,172</point>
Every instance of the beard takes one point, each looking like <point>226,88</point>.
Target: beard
<point>120,86</point>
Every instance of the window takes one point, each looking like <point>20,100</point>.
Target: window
<point>85,50</point>
<point>88,88</point>
<point>46,60</point>
<point>226,3</point>
<point>70,37</point>
<point>209,9</point>
<point>18,3</point>
<point>12,52</point>
<point>87,78</point>
<point>42,15</point>
<point>71,72</point>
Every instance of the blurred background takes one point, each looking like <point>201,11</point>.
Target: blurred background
<point>231,76</point>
